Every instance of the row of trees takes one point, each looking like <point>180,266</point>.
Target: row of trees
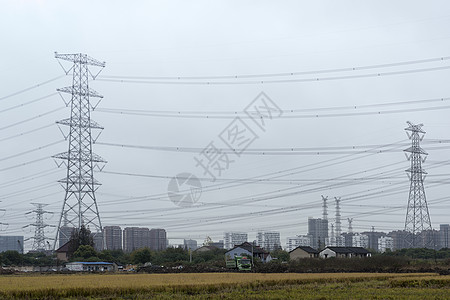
<point>81,249</point>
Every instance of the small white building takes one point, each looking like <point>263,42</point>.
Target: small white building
<point>91,266</point>
<point>384,243</point>
<point>344,252</point>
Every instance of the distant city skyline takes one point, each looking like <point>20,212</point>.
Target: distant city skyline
<point>180,82</point>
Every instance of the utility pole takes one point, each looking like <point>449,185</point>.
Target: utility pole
<point>80,204</point>
<point>418,220</point>
<point>39,238</point>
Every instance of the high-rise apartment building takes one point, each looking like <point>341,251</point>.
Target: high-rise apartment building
<point>444,236</point>
<point>268,240</point>
<point>190,244</point>
<point>158,239</point>
<point>360,240</point>
<point>299,240</point>
<point>234,238</point>
<point>113,237</point>
<point>384,243</point>
<point>11,242</point>
<point>318,230</point>
<point>135,238</point>
<point>64,234</point>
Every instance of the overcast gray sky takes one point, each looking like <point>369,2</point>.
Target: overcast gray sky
<point>217,38</point>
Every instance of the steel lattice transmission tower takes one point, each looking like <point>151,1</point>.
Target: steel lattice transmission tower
<point>80,205</point>
<point>417,214</point>
<point>39,238</point>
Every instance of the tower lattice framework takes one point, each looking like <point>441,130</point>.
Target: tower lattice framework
<point>418,221</point>
<point>80,204</point>
<point>39,238</point>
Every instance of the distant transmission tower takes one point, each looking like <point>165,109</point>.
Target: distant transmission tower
<point>324,208</point>
<point>350,227</point>
<point>417,215</point>
<point>39,238</point>
<point>338,216</point>
<point>339,240</point>
<point>80,205</point>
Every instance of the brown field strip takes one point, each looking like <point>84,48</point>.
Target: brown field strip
<point>137,281</point>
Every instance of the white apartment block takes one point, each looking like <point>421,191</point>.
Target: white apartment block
<point>385,242</point>
<point>268,240</point>
<point>360,240</point>
<point>231,239</point>
<point>299,240</point>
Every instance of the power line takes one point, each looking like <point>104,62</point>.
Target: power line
<point>31,151</point>
<point>24,164</point>
<point>26,103</point>
<point>32,118</point>
<point>287,74</point>
<point>276,151</point>
<point>27,132</point>
<point>286,116</point>
<point>270,81</point>
<point>30,88</point>
<point>284,111</point>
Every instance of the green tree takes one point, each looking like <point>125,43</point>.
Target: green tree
<point>12,258</point>
<point>141,256</point>
<point>85,251</point>
<point>80,237</point>
<point>280,255</point>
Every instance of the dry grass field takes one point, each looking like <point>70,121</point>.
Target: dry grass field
<point>226,286</point>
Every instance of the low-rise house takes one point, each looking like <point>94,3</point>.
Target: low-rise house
<point>97,266</point>
<point>62,253</point>
<point>205,248</point>
<point>247,249</point>
<point>303,252</point>
<point>344,252</point>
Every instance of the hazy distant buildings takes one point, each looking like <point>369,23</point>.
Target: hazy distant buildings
<point>135,238</point>
<point>347,239</point>
<point>360,240</point>
<point>384,243</point>
<point>318,230</point>
<point>158,239</point>
<point>190,244</point>
<point>268,240</point>
<point>113,237</point>
<point>299,240</point>
<point>234,238</point>
<point>399,237</point>
<point>220,244</point>
<point>97,237</point>
<point>444,236</point>
<point>65,232</point>
<point>11,242</point>
<point>373,238</point>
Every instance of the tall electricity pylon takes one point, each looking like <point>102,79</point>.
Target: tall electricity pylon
<point>80,205</point>
<point>324,208</point>
<point>417,214</point>
<point>39,238</point>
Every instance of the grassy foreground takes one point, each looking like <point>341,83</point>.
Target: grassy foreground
<point>226,286</point>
